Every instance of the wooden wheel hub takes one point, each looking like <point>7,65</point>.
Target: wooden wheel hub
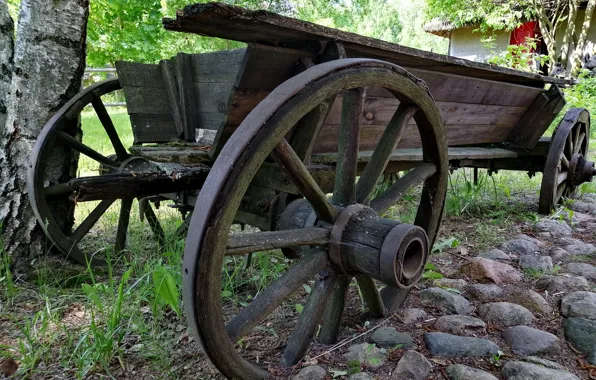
<point>361,242</point>
<point>580,170</point>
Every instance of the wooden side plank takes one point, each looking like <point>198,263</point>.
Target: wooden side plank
<point>537,119</point>
<point>171,87</point>
<point>234,23</point>
<point>415,154</point>
<point>188,101</point>
<point>153,128</point>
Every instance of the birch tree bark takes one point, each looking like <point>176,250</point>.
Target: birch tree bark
<point>576,59</point>
<point>6,56</point>
<point>49,61</point>
<point>569,33</point>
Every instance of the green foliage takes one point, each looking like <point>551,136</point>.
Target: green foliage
<point>488,14</point>
<point>582,95</point>
<point>431,272</point>
<point>520,57</point>
<point>441,245</point>
<point>166,289</point>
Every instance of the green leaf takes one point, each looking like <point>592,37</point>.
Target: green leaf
<point>91,293</point>
<point>432,275</point>
<point>165,288</point>
<point>307,288</point>
<point>335,373</point>
<point>299,308</point>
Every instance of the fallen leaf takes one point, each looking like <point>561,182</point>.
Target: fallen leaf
<point>8,367</point>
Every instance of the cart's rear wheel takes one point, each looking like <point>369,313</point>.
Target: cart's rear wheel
<point>566,166</point>
<point>348,238</point>
<point>100,151</point>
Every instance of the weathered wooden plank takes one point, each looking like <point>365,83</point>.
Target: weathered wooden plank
<point>188,99</point>
<point>136,185</point>
<point>415,154</point>
<point>537,119</point>
<point>378,109</point>
<point>153,128</point>
<point>446,87</point>
<point>456,135</point>
<point>139,74</point>
<point>217,67</point>
<point>226,21</point>
<point>187,154</point>
<point>267,67</point>
<point>171,88</point>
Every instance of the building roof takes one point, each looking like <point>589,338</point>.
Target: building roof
<point>438,27</point>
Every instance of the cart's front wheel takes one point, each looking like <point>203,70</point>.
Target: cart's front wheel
<point>346,234</point>
<point>566,166</point>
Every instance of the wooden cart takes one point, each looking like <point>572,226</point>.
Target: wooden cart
<point>262,135</point>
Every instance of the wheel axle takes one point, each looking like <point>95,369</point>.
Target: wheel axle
<point>580,170</point>
<point>363,243</point>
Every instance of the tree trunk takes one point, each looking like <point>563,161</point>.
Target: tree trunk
<point>6,55</point>
<point>576,59</point>
<point>49,61</point>
<point>569,33</point>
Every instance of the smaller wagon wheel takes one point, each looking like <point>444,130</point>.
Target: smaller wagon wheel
<point>345,233</point>
<point>566,166</point>
<point>51,197</point>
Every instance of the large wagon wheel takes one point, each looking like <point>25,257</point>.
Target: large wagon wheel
<point>52,199</point>
<point>566,166</point>
<point>395,253</point>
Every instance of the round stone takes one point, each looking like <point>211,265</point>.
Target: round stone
<point>448,302</point>
<point>562,284</point>
<point>579,304</point>
<point>312,372</point>
<point>412,366</point>
<point>582,269</point>
<point>485,292</point>
<point>525,340</point>
<point>460,324</point>
<point>447,345</point>
<point>554,227</point>
<point>463,372</point>
<point>505,314</point>
<point>531,300</point>
<point>389,337</point>
<point>581,333</point>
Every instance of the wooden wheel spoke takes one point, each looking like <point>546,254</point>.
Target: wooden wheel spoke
<point>580,140</point>
<point>108,125</point>
<point>371,296</point>
<point>72,143</point>
<point>58,189</point>
<point>240,244</point>
<point>287,159</point>
<point>308,129</point>
<point>561,178</point>
<point>380,157</point>
<point>560,191</point>
<point>569,145</point>
<point>334,310</point>
<point>564,161</point>
<point>155,225</point>
<point>309,320</point>
<point>91,220</point>
<point>402,186</point>
<point>344,191</point>
<point>123,220</point>
<point>277,292</point>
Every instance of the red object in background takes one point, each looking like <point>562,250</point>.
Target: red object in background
<point>529,29</point>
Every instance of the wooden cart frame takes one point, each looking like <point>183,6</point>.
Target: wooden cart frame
<point>261,135</point>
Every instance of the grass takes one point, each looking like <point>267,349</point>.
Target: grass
<point>77,322</point>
